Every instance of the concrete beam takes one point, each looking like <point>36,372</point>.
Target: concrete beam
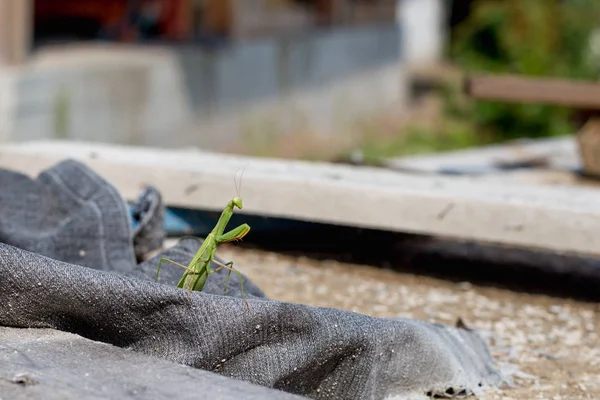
<point>564,219</point>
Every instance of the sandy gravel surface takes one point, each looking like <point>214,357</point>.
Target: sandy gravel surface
<point>553,342</point>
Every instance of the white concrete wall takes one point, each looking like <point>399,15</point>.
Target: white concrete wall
<point>315,83</point>
<point>132,98</point>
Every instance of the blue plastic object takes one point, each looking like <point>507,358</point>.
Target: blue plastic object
<point>191,222</point>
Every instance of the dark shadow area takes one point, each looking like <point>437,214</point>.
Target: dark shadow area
<point>65,29</point>
<point>531,271</point>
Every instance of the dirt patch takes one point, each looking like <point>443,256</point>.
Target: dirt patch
<point>553,342</point>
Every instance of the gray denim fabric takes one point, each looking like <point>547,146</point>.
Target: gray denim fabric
<point>67,262</point>
<point>149,213</point>
<point>35,365</point>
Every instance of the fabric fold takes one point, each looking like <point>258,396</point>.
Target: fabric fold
<point>106,296</point>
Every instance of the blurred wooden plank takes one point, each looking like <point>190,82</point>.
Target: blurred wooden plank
<point>558,92</point>
<point>532,216</point>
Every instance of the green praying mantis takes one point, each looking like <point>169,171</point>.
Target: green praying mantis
<point>196,273</point>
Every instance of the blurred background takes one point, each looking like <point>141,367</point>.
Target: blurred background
<point>345,80</point>
<point>349,81</point>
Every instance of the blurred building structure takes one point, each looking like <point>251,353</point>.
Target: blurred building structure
<point>210,73</point>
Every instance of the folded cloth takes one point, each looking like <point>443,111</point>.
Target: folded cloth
<point>148,213</point>
<point>36,366</point>
<point>67,262</point>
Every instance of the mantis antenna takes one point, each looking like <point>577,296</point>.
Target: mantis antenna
<point>238,184</point>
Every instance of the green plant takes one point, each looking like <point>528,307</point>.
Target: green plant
<point>62,113</point>
<point>536,38</point>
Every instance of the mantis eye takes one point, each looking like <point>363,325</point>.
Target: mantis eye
<point>237,201</point>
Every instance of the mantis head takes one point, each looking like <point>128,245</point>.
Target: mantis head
<point>237,201</point>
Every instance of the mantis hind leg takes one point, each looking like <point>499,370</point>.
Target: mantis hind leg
<point>172,262</point>
<point>177,264</point>
<point>229,266</point>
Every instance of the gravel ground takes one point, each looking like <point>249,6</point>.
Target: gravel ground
<point>552,342</point>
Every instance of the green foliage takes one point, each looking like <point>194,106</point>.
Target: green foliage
<point>62,111</point>
<point>455,134</point>
<point>536,38</point>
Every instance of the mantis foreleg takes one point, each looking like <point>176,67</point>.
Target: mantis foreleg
<point>234,234</point>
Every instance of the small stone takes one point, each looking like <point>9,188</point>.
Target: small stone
<point>572,338</point>
<point>555,309</point>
